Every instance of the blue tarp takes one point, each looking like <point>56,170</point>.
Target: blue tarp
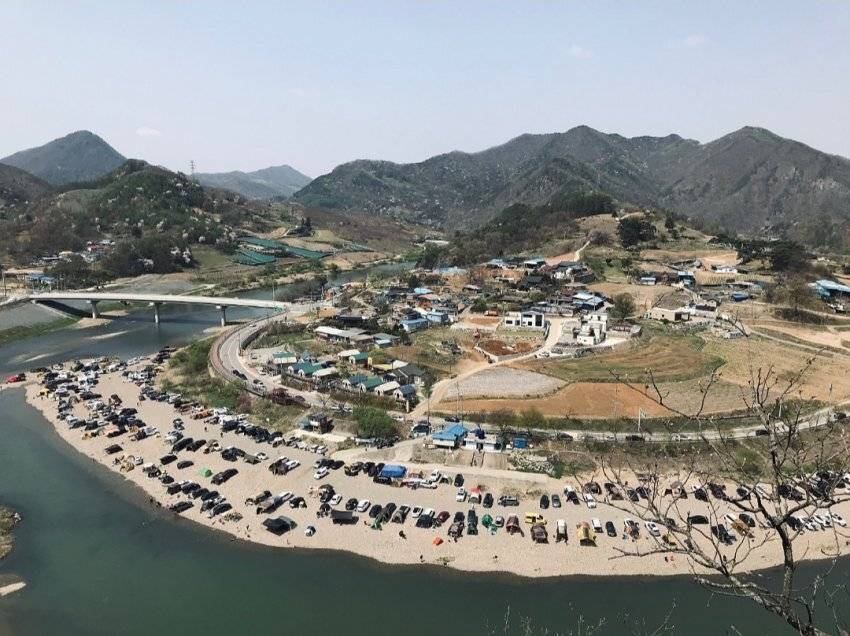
<point>393,471</point>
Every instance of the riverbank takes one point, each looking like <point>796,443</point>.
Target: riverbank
<point>397,544</point>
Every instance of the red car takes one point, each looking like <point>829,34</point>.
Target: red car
<point>18,377</point>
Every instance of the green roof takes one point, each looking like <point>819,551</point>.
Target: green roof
<point>261,242</point>
<point>303,253</point>
<point>248,257</point>
<point>371,383</point>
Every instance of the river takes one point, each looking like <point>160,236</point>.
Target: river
<point>98,559</point>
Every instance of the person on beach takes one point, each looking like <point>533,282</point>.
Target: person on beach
<point>401,534</point>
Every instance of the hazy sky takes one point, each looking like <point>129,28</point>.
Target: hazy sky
<point>243,85</point>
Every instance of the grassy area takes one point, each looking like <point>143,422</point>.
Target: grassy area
<point>425,350</point>
<point>669,356</point>
<point>8,520</point>
<point>31,331</point>
<point>187,374</point>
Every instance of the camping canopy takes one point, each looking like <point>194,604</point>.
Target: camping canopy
<point>393,471</point>
<point>206,472</point>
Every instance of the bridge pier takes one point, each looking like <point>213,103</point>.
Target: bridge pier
<point>156,307</point>
<point>223,309</point>
<point>93,304</point>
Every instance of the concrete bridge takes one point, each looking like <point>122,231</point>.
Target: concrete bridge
<point>157,300</point>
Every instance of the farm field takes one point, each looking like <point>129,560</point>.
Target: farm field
<point>669,356</point>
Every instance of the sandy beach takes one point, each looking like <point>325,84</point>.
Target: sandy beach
<point>485,552</point>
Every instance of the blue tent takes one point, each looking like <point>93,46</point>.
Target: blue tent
<point>393,471</point>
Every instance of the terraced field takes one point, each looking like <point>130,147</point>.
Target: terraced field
<point>670,357</point>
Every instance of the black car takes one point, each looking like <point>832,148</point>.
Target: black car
<point>209,495</point>
<point>220,508</point>
<point>185,463</point>
<point>351,504</point>
<point>196,445</point>
<point>458,518</point>
<point>610,530</point>
<point>487,502</point>
<point>556,501</point>
<point>297,502</point>
<point>544,501</point>
<point>388,511</point>
<point>198,494</point>
<point>375,510</point>
<point>458,480</point>
<point>181,506</point>
<point>425,521</point>
<point>173,489</point>
<point>508,500</point>
<point>700,494</point>
<point>167,459</point>
<point>223,476</point>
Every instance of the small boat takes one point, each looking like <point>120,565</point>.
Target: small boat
<point>309,531</point>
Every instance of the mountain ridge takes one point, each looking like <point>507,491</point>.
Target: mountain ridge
<point>267,183</point>
<point>748,180</point>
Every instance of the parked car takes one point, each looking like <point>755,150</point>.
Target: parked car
<point>460,495</point>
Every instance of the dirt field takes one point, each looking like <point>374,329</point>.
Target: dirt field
<point>504,381</point>
<point>669,356</point>
<point>745,357</point>
<point>592,400</point>
<point>501,348</point>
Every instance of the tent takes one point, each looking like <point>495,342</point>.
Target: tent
<point>393,471</point>
<point>206,472</point>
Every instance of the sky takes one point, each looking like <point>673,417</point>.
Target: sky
<point>245,85</point>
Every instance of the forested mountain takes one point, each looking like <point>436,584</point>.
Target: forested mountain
<point>80,156</point>
<point>268,183</point>
<point>17,187</point>
<point>748,180</point>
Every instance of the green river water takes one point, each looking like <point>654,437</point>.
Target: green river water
<point>98,559</point>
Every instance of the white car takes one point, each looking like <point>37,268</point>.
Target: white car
<point>589,500</point>
<point>292,463</point>
<point>810,524</point>
<point>261,456</point>
<point>838,519</point>
<point>824,520</point>
<point>429,512</point>
<point>364,505</point>
<point>597,525</point>
<point>435,476</point>
<point>321,473</point>
<point>417,511</point>
<point>461,494</point>
<point>652,528</point>
<point>336,499</point>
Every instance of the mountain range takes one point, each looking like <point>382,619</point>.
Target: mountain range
<point>268,183</point>
<point>748,180</point>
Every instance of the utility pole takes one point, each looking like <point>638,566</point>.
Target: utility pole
<point>192,169</point>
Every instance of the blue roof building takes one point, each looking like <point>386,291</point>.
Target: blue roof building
<point>450,437</point>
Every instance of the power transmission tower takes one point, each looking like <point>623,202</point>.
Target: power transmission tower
<point>192,168</point>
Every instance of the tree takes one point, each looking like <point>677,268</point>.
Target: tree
<point>798,294</point>
<point>795,469</point>
<point>373,422</point>
<point>624,306</point>
<point>633,230</point>
<point>788,256</point>
<point>479,306</point>
<point>669,223</point>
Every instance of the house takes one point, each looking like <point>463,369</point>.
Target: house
<point>359,359</point>
<point>671,308</point>
<point>325,373</point>
<point>533,263</point>
<point>587,301</point>
<point>686,278</point>
<point>451,437</point>
<point>386,388</point>
<point>342,355</point>
<point>410,374</point>
<point>405,392</point>
<point>481,442</point>
<point>525,319</point>
<point>303,369</point>
<point>369,384</point>
<point>415,324</point>
<point>830,289</point>
<point>648,280</point>
<point>352,382</point>
<point>283,359</point>
<point>724,269</point>
<point>384,339</point>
